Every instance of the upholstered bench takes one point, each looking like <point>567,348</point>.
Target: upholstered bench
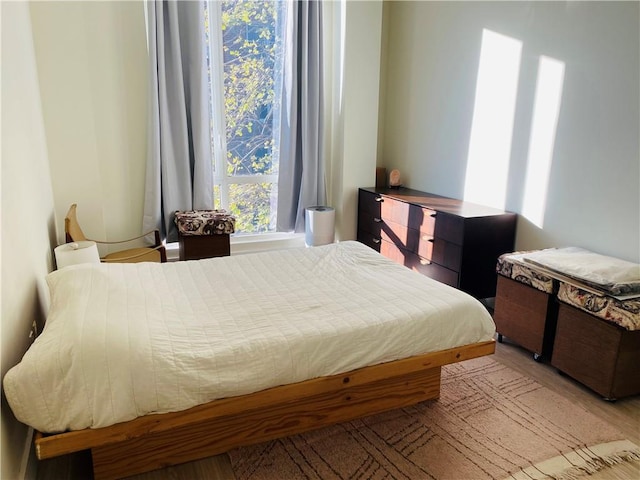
<point>579,309</point>
<point>204,233</point>
<point>525,307</point>
<point>597,341</point>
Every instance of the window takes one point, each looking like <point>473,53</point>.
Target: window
<point>245,61</point>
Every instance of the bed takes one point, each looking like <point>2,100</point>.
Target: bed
<point>149,365</point>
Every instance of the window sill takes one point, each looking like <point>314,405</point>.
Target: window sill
<point>242,244</point>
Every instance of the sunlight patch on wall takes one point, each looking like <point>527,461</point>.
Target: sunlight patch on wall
<point>493,114</point>
<point>543,133</point>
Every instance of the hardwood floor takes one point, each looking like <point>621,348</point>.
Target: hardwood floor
<point>623,414</point>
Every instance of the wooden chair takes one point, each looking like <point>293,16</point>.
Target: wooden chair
<point>157,253</point>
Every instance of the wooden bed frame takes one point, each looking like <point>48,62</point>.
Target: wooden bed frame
<point>157,441</point>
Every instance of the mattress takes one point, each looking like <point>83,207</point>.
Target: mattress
<point>126,340</point>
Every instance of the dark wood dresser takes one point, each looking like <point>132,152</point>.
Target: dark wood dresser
<point>454,242</point>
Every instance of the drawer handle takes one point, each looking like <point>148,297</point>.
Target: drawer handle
<point>424,262</point>
<point>427,238</point>
<point>376,241</point>
<point>433,215</point>
<point>377,220</point>
<point>379,199</point>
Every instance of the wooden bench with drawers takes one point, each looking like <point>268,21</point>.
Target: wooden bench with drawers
<point>591,337</point>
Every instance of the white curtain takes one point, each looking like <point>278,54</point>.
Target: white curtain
<point>179,163</point>
<point>299,122</point>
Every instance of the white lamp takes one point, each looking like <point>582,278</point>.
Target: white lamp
<point>75,253</point>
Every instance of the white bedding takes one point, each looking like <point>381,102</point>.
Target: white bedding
<point>613,275</point>
<point>126,340</point>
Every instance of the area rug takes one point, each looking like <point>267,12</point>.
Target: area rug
<point>490,422</point>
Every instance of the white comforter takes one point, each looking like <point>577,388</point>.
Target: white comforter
<point>125,340</point>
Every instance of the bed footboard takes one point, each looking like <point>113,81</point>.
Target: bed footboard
<point>156,441</point>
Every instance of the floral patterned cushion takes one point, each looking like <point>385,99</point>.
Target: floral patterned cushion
<point>205,222</point>
<point>512,266</point>
<point>625,313</point>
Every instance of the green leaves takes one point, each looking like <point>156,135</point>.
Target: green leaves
<point>249,55</point>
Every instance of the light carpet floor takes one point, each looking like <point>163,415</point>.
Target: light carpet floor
<point>490,422</point>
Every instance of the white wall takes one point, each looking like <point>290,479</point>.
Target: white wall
<point>28,222</point>
<point>92,66</point>
<point>432,57</point>
<point>354,89</point>
<point>77,71</point>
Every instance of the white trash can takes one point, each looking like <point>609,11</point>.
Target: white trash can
<point>319,226</point>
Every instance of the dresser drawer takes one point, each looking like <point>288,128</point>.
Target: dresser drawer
<point>419,264</point>
<point>409,259</point>
<point>428,221</point>
<point>397,211</point>
<point>369,223</point>
<point>382,207</point>
<point>407,215</point>
<point>449,228</point>
<point>437,250</point>
<point>369,239</point>
<point>394,211</point>
<point>370,203</point>
<point>423,219</point>
<point>375,224</point>
<point>443,253</point>
<point>386,229</point>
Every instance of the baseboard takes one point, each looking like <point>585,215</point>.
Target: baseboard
<point>29,462</point>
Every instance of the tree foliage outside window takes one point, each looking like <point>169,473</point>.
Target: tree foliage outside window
<point>250,46</point>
